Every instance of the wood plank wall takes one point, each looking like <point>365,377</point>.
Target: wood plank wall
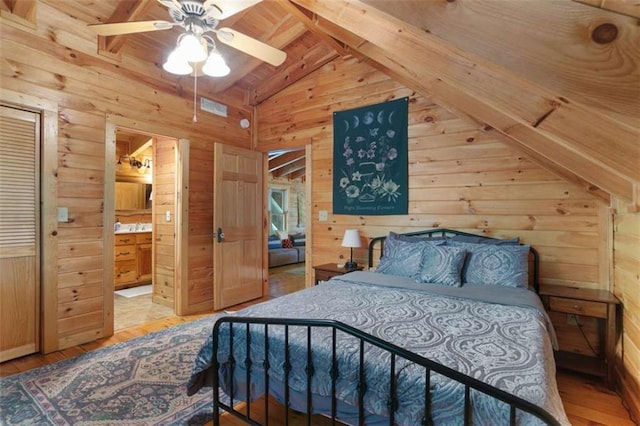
<point>57,61</point>
<point>164,200</point>
<point>626,272</point>
<point>460,177</point>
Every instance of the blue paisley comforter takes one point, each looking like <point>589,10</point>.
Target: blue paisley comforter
<point>499,335</point>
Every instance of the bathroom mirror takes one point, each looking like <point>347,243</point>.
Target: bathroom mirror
<point>133,196</point>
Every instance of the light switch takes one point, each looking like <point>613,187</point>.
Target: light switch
<point>167,216</point>
<point>63,214</point>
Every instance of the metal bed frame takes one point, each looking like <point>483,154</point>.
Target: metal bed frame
<point>243,324</point>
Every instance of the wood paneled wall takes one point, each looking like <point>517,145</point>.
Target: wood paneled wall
<point>56,60</point>
<point>626,276</point>
<point>459,177</point>
<point>164,202</point>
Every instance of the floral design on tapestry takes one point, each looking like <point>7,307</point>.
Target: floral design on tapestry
<point>370,159</point>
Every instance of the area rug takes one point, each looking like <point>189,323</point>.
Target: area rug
<point>300,270</point>
<point>137,382</point>
<point>135,291</point>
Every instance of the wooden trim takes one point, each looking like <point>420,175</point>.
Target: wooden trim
<point>48,213</point>
<point>265,223</point>
<point>623,7</point>
<point>605,247</point>
<point>308,226</point>
<point>109,220</point>
<point>181,277</point>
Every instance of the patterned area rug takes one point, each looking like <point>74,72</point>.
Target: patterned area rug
<point>137,382</point>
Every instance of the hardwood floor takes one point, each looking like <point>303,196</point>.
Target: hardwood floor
<point>586,400</point>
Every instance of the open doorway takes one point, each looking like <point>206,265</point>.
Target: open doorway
<point>138,245</point>
<point>286,209</point>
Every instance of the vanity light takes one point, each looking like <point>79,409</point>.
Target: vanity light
<point>119,163</point>
<point>135,163</point>
<point>144,167</point>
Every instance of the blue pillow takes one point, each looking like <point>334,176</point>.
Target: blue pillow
<point>406,266</point>
<point>442,265</point>
<point>395,243</point>
<point>401,257</point>
<point>492,264</point>
<point>274,242</point>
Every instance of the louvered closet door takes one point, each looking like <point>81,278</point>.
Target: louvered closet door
<point>19,232</point>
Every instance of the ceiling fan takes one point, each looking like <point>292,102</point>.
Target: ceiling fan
<point>198,19</point>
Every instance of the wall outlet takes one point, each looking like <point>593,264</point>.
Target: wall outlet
<point>323,215</point>
<point>572,319</point>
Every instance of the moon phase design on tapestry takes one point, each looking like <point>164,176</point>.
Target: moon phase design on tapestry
<point>370,159</point>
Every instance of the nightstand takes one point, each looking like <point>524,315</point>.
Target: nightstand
<point>599,304</point>
<point>329,270</point>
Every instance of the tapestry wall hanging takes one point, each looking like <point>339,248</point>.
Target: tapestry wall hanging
<point>370,159</point>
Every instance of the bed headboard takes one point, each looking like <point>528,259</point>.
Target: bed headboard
<point>376,245</point>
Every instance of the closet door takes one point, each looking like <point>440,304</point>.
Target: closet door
<point>19,232</point>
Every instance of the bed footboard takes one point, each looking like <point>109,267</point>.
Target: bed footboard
<point>261,331</point>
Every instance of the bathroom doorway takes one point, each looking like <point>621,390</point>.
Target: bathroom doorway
<point>143,230</point>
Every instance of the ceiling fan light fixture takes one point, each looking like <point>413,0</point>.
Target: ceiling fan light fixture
<point>192,47</point>
<point>215,65</point>
<point>177,64</point>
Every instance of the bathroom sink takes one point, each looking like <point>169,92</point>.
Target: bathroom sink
<point>131,229</point>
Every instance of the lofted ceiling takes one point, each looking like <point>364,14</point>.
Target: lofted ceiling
<point>560,79</point>
<point>289,164</point>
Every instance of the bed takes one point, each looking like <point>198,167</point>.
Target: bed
<point>446,329</point>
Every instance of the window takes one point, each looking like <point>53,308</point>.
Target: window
<point>278,210</point>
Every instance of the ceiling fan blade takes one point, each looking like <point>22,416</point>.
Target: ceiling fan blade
<point>251,46</point>
<point>130,27</point>
<point>171,4</point>
<point>222,9</point>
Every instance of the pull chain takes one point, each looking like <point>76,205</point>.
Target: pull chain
<point>195,96</point>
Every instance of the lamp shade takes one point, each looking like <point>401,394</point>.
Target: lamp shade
<point>192,48</point>
<point>351,238</point>
<point>215,65</point>
<point>177,64</point>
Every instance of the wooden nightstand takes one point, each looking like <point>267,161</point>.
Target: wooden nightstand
<point>329,270</point>
<point>599,304</point>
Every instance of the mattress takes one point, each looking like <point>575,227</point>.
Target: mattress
<point>498,335</point>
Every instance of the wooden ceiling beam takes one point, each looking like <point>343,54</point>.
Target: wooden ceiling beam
<point>561,172</point>
<point>629,8</point>
<point>300,174</point>
<point>285,159</point>
<point>276,36</point>
<point>594,147</point>
<point>314,58</point>
<point>25,9</point>
<point>290,168</point>
<point>126,11</point>
<point>21,12</point>
<point>308,21</point>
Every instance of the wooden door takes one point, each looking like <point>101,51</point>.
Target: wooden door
<point>19,232</point>
<point>237,213</point>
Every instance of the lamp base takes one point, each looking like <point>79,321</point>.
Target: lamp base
<point>350,265</point>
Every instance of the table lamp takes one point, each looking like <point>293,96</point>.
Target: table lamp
<point>351,239</point>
